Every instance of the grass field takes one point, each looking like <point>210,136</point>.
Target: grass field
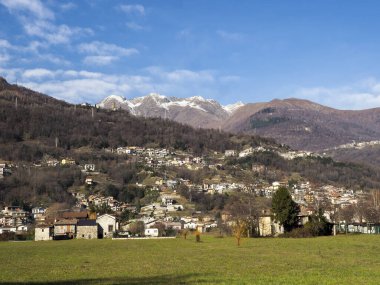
<point>325,260</point>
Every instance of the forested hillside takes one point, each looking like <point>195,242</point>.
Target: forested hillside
<point>32,123</point>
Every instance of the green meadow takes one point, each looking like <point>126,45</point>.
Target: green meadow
<point>352,259</point>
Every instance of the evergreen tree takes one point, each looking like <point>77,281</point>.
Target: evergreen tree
<point>284,209</point>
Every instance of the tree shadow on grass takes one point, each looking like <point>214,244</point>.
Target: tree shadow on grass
<point>186,279</point>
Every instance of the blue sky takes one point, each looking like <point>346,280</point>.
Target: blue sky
<point>250,51</point>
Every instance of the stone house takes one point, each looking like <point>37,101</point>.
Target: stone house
<point>107,225</point>
<point>65,228</point>
<point>87,229</point>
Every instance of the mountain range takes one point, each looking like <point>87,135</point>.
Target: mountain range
<point>301,124</point>
<point>195,111</point>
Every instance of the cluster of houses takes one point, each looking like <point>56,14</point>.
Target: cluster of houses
<point>13,219</point>
<point>79,225</point>
<point>83,201</point>
<point>357,145</point>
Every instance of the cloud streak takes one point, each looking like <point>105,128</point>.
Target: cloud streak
<point>78,86</point>
<point>32,7</point>
<point>133,9</point>
<point>364,94</point>
<point>100,53</point>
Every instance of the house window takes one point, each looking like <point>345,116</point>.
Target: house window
<point>82,236</point>
<point>42,230</point>
<point>110,228</point>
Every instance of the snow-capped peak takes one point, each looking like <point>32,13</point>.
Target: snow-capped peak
<point>117,98</point>
<point>196,98</point>
<point>233,107</point>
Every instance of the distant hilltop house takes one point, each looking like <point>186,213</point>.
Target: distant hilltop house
<point>230,153</point>
<point>89,181</point>
<point>68,161</point>
<point>90,167</point>
<point>5,169</point>
<point>246,152</point>
<point>38,213</point>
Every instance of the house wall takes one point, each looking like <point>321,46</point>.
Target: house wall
<point>63,229</point>
<point>87,232</point>
<point>42,234</point>
<point>105,223</point>
<point>151,232</point>
<point>267,227</point>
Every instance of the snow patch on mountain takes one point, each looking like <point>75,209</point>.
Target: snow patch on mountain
<point>233,107</point>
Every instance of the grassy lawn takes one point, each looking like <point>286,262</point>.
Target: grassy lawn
<point>325,260</point>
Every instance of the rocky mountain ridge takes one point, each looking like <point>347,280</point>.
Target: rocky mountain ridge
<point>299,123</point>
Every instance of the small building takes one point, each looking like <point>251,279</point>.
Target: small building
<point>65,229</point>
<point>4,169</point>
<point>268,227</point>
<point>151,232</point>
<point>43,232</point>
<point>87,229</point>
<point>89,181</point>
<point>107,225</point>
<point>90,167</point>
<point>68,161</point>
<point>38,213</point>
<point>230,153</point>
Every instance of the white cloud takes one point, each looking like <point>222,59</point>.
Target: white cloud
<point>229,78</point>
<point>38,21</point>
<point>53,34</point>
<point>5,44</point>
<point>101,53</point>
<point>101,48</point>
<point>229,36</point>
<point>134,26</point>
<point>37,73</point>
<point>182,74</point>
<point>79,86</point>
<point>4,57</point>
<point>99,59</point>
<point>133,9</point>
<point>68,6</point>
<point>360,95</point>
<point>33,7</point>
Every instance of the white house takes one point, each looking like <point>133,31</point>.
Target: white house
<point>152,232</point>
<point>89,167</point>
<point>230,152</point>
<point>43,232</point>
<point>38,213</point>
<point>107,225</point>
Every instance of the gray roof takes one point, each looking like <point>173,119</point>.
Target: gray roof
<point>86,223</point>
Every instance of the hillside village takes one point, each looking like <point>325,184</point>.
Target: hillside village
<point>170,210</point>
